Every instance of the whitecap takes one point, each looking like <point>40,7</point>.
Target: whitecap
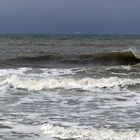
<point>32,83</point>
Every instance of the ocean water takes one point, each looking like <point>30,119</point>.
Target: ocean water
<point>72,87</point>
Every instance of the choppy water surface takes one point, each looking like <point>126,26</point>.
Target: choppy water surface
<point>69,87</point>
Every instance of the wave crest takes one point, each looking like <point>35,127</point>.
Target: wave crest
<point>28,83</point>
<point>106,58</point>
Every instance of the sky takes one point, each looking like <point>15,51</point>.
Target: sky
<point>70,16</point>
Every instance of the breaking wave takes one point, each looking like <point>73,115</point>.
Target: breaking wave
<point>32,83</point>
<point>106,58</point>
<point>78,133</point>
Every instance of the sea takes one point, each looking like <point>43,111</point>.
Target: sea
<point>69,87</point>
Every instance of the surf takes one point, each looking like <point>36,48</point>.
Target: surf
<point>96,134</point>
<point>91,84</point>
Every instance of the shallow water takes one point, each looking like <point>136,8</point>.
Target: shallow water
<point>31,98</point>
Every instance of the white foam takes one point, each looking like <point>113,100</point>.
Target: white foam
<point>79,133</point>
<point>57,72</point>
<point>123,67</point>
<point>37,72</point>
<point>27,78</point>
<point>19,71</point>
<point>29,83</point>
<point>4,88</point>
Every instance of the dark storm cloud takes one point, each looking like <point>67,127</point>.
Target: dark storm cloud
<point>69,16</point>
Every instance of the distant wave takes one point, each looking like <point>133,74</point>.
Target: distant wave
<point>45,60</point>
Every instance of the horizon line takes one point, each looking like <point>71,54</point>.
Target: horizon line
<point>77,34</point>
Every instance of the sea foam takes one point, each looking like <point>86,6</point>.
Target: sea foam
<point>94,134</point>
<point>33,83</point>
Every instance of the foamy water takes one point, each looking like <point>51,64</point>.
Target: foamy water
<point>60,103</point>
<point>77,133</point>
<point>30,83</point>
<point>52,79</point>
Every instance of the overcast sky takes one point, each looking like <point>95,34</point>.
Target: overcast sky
<point>70,16</point>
